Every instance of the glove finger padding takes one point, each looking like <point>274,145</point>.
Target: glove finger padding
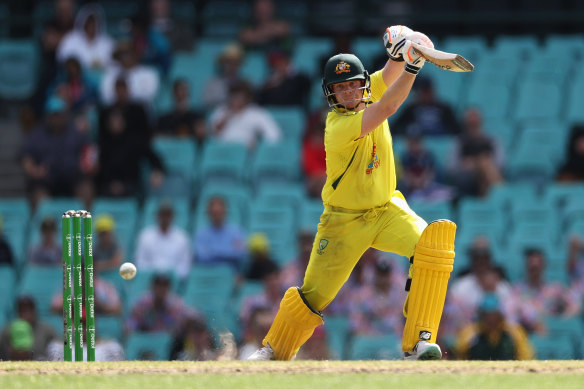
<point>414,61</point>
<point>394,39</point>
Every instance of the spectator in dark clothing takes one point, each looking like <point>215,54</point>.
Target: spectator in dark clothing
<point>265,31</point>
<point>182,120</point>
<point>179,33</point>
<point>194,342</point>
<point>52,155</point>
<point>433,117</point>
<point>151,45</point>
<point>74,87</point>
<point>261,263</point>
<point>6,256</point>
<point>285,85</point>
<point>47,252</point>
<point>124,143</point>
<point>573,169</point>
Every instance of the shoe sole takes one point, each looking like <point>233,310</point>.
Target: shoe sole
<point>431,354</point>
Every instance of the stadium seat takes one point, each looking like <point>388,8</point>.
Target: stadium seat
<point>50,208</point>
<point>183,65</point>
<point>559,44</point>
<point>471,47</point>
<point>223,162</point>
<point>368,50</point>
<point>109,327</point>
<point>441,147</point>
<point>135,288</point>
<point>337,335</point>
<point>522,167</point>
<point>278,224</point>
<point>308,52</point>
<point>448,86</point>
<point>125,214</point>
<point>178,157</point>
<point>236,196</point>
<point>573,211</point>
<point>524,45</point>
<point>14,216</point>
<point>310,213</point>
<point>153,346</point>
<point>255,68</point>
<point>375,347</point>
<point>575,101</point>
<point>289,195</point>
<point>276,164</point>
<point>291,120</point>
<point>537,100</point>
<point>538,69</point>
<point>184,11</point>
<point>523,238</point>
<point>506,194</point>
<point>18,69</point>
<point>550,348</point>
<point>430,212</point>
<point>42,283</point>
<point>491,94</point>
<point>7,288</point>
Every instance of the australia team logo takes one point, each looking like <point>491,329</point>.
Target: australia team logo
<point>321,246</point>
<point>375,162</point>
<point>342,67</point>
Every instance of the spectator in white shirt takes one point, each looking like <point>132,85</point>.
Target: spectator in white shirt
<point>88,41</point>
<point>164,247</point>
<point>143,81</point>
<point>242,121</point>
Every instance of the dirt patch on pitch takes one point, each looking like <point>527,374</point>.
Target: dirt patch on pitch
<point>294,367</point>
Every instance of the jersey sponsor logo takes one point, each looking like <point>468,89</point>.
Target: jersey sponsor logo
<point>321,246</point>
<point>375,162</point>
<point>342,67</point>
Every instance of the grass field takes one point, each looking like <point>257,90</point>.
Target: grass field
<point>293,375</point>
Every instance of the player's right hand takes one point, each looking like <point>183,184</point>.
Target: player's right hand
<point>394,39</point>
<point>414,61</point>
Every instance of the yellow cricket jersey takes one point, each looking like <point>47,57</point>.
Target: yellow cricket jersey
<point>360,172</point>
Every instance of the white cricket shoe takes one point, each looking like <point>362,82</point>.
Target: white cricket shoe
<point>424,351</point>
<point>263,354</point>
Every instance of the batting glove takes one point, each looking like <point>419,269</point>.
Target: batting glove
<point>394,39</point>
<point>414,61</point>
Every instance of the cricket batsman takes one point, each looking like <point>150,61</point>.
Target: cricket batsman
<point>363,209</point>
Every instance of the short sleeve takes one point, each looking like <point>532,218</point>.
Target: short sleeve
<point>378,86</point>
<point>342,130</point>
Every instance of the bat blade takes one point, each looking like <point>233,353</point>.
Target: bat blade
<point>447,61</point>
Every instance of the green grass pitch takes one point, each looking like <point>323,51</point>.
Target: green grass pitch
<point>293,375</point>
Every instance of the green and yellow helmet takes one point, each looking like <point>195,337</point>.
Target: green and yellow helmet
<point>341,68</point>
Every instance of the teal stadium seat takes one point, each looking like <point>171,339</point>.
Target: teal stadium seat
<point>184,11</point>
<point>575,102</point>
<point>109,327</point>
<point>466,236</point>
<point>539,69</point>
<point>223,163</point>
<point>255,68</point>
<point>573,211</point>
<point>523,238</point>
<point>181,212</point>
<point>42,283</point>
<point>7,288</point>
<point>224,18</point>
<point>559,44</point>
<point>538,100</point>
<point>291,120</point>
<point>18,69</point>
<point>276,164</point>
<point>551,348</point>
<point>15,215</point>
<point>441,147</point>
<point>471,47</point>
<point>506,194</point>
<point>557,195</point>
<point>430,212</point>
<point>184,64</point>
<point>338,330</point>
<point>237,199</point>
<point>310,213</point>
<point>308,52</point>
<point>367,50</point>
<point>178,157</point>
<point>491,94</point>
<point>50,208</point>
<point>4,25</point>
<point>384,347</point>
<point>278,223</point>
<point>290,195</point>
<point>249,288</point>
<point>148,346</point>
<point>524,45</point>
<point>523,167</point>
<point>481,215</point>
<point>125,214</point>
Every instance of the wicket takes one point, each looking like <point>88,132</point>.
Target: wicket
<point>72,241</point>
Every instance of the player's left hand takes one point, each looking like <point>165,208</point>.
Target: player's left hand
<point>414,61</point>
<point>394,39</point>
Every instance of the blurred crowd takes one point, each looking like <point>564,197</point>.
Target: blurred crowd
<point>89,131</point>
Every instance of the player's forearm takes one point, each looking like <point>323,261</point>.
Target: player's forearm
<point>391,71</point>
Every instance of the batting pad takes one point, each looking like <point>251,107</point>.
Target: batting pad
<point>432,265</point>
<point>293,325</point>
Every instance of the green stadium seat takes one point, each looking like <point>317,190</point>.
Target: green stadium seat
<point>291,120</point>
<point>148,346</point>
<point>308,52</point>
<point>552,348</point>
<point>18,69</point>
<point>223,162</point>
<point>276,164</point>
<point>506,194</point>
<point>538,69</point>
<point>375,348</point>
<point>42,283</point>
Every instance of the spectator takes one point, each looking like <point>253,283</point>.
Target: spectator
<point>124,143</point>
<point>182,120</point>
<point>143,81</point>
<point>26,337</point>
<point>573,168</point>
<point>179,34</point>
<point>492,337</point>
<point>6,256</point>
<point>194,342</point>
<point>268,299</point>
<point>467,291</point>
<point>293,272</point>
<point>478,159</point>
<point>48,251</point>
<point>313,153</point>
<point>216,90</point>
<point>220,242</point>
<point>107,254</point>
<point>261,263</point>
<point>420,171</point>
<point>265,31</point>
<point>285,85</point>
<point>241,121</point>
<point>88,42</point>
<point>376,308</point>
<point>534,299</point>
<point>152,47</point>
<point>259,323</point>
<point>159,309</point>
<point>343,44</point>
<point>164,247</point>
<point>49,171</point>
<point>107,298</point>
<point>74,87</point>
<point>433,117</point>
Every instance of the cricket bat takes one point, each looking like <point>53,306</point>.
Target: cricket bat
<point>444,60</point>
